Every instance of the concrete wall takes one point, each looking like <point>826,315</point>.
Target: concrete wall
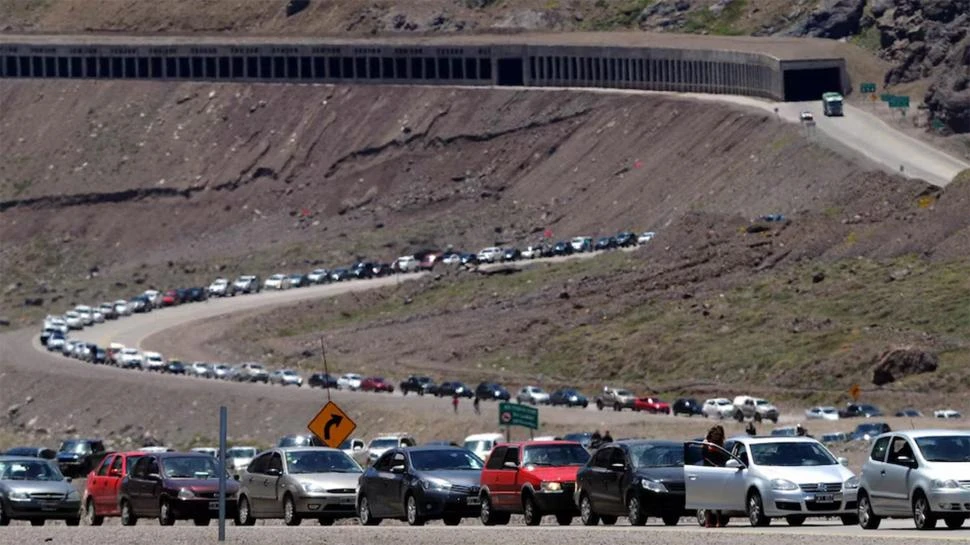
<point>662,69</point>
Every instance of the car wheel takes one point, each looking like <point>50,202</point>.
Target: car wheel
<point>201,521</point>
<point>451,520</point>
<point>671,520</point>
<point>954,522</point>
<point>564,519</point>
<point>867,519</point>
<point>922,514</point>
<point>325,521</point>
<point>599,405</point>
<point>90,516</point>
<point>530,512</point>
<point>609,520</point>
<point>290,518</point>
<point>756,510</point>
<point>850,520</point>
<point>489,516</point>
<point>165,515</point>
<point>586,514</point>
<point>701,515</point>
<point>411,510</point>
<point>634,511</point>
<point>72,522</point>
<point>757,417</point>
<point>363,512</point>
<point>128,517</point>
<point>244,514</point>
<point>37,522</point>
<point>795,520</point>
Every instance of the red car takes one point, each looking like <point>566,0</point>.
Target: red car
<point>101,490</point>
<point>534,478</point>
<point>651,405</point>
<point>376,384</point>
<point>171,298</point>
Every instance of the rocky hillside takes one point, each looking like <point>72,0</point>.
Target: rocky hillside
<point>927,41</point>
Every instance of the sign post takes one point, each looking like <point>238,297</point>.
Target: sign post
<point>514,414</point>
<point>223,425</point>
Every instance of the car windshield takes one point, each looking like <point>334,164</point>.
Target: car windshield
<point>945,448</point>
<point>450,459</point>
<point>320,461</point>
<point>868,428</point>
<point>761,402</point>
<point>555,455</point>
<point>78,447</point>
<point>384,443</point>
<point>654,455</point>
<point>29,470</point>
<point>190,467</point>
<point>790,454</point>
<point>296,441</point>
<point>723,402</point>
<point>480,445</point>
<point>241,452</point>
<point>624,393</point>
<point>868,408</point>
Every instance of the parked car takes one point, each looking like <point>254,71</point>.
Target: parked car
<point>869,430</point>
<point>719,408</point>
<point>562,248</point>
<point>834,437</point>
<point>569,397</point>
<point>33,489</point>
<point>469,259</point>
<point>822,413</point>
<point>77,457</point>
<point>605,243</point>
<point>174,486</point>
<point>175,367</point>
<point>636,479</point>
<point>419,484</point>
<point>124,308</point>
<point>199,369</point>
<point>222,371</point>
<point>56,341</point>
<point>298,280</point>
<point>770,477</point>
<point>247,283</point>
<point>626,239</point>
<point>171,298</point>
<point>909,413</point>
<point>108,311</point>
<point>352,446</point>
<point>385,442</point>
<point>511,254</point>
<point>221,287</point>
<point>652,405</point>
<point>451,388</point>
<point>86,314</point>
<point>153,361</point>
<point>238,457</point>
<point>645,237</point>
<point>615,398</point>
<point>154,297</point>
<point>857,410</point>
<point>757,409</point>
<point>490,391</point>
<point>946,413</point>
<point>480,444</point>
<point>299,440</point>
<point>349,381</point>
<point>582,244</point>
<point>376,384</point>
<point>686,405</point>
<point>341,275</point>
<point>32,452</point>
<point>139,304</point>
<point>923,474</point>
<point>490,254</point>
<point>286,377</point>
<point>319,276</point>
<point>534,478</point>
<point>534,251</point>
<point>211,451</point>
<point>295,483</point>
<point>405,264</point>
<point>73,320</point>
<point>418,384</point>
<point>196,295</point>
<point>533,395</point>
<point>253,372</point>
<point>322,380</point>
<point>101,488</point>
<point>277,282</point>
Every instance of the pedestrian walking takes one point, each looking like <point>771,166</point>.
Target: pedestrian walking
<point>475,405</point>
<point>454,402</point>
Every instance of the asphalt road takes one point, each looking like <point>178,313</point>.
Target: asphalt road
<point>818,533</point>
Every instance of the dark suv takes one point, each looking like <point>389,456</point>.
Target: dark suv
<point>492,391</point>
<point>77,457</point>
<point>418,385</point>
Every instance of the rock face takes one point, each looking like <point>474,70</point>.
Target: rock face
<point>949,96</point>
<point>898,363</point>
<point>832,19</point>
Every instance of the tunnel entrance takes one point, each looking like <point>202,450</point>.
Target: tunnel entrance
<point>809,84</point>
<point>510,72</point>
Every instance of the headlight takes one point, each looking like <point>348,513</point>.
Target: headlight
<point>653,486</point>
<point>550,486</point>
<point>74,495</point>
<point>18,496</point>
<point>313,488</point>
<point>852,483</point>
<point>186,494</point>
<point>783,484</point>
<point>573,398</point>
<point>945,483</point>
<point>434,483</point>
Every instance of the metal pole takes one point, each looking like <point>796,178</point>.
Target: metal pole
<point>222,473</point>
<point>326,370</point>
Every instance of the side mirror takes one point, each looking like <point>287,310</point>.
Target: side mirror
<point>397,469</point>
<point>733,464</point>
<point>510,465</point>
<point>273,472</point>
<point>844,461</point>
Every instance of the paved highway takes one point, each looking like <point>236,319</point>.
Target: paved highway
<point>818,533</point>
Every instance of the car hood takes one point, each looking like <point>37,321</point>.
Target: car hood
<point>329,480</point>
<point>950,470</point>
<point>239,461</point>
<point>663,474</point>
<point>469,478</point>
<point>807,474</point>
<point>39,487</point>
<point>203,485</point>
<point>562,473</point>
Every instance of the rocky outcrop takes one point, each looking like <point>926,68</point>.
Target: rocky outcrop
<point>949,96</point>
<point>899,363</point>
<point>831,19</point>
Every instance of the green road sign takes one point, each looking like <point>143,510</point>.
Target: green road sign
<point>867,88</point>
<point>885,97</point>
<point>513,414</point>
<point>937,124</point>
<point>899,102</point>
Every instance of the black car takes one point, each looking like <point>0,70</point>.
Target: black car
<point>511,254</point>
<point>298,280</point>
<point>362,270</point>
<point>418,484</point>
<point>492,391</point>
<point>863,410</point>
<point>686,405</point>
<point>340,275</point>
<point>299,440</point>
<point>77,457</point>
<point>869,430</point>
<point>175,367</point>
<point>625,239</point>
<point>418,385</point>
<point>909,413</point>
<point>605,243</point>
<point>562,248</point>
<point>469,259</point>
<point>569,397</point>
<point>636,479</point>
<point>195,295</point>
<point>32,452</point>
<point>381,269</point>
<point>140,303</point>
<point>322,380</point>
<point>451,388</point>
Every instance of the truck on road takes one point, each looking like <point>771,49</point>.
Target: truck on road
<point>832,104</point>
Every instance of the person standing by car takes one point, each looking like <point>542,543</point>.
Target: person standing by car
<point>607,438</point>
<point>475,405</point>
<point>595,440</point>
<point>454,402</point>
<point>750,430</point>
<point>714,455</point>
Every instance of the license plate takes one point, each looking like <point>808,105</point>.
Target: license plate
<point>473,500</point>
<point>48,505</point>
<point>824,498</point>
<point>213,506</point>
<point>346,501</point>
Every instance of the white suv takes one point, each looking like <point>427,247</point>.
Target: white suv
<point>924,474</point>
<point>154,361</point>
<point>533,395</point>
<point>220,287</point>
<point>490,255</point>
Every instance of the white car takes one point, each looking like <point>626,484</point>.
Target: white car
<point>220,287</point>
<point>806,116</point>
<point>718,408</point>
<point>84,311</point>
<point>154,361</point>
<point>277,282</point>
<point>131,358</point>
<point>582,244</point>
<point>73,320</point>
<point>199,369</point>
<point>451,259</point>
<point>122,307</point>
<point>946,413</point>
<point>56,343</point>
<point>770,477</point>
<point>286,377</point>
<point>237,458</point>
<point>532,252</point>
<point>56,323</point>
<point>481,444</point>
<point>349,381</point>
<point>97,316</point>
<point>490,254</point>
<point>406,263</point>
<point>533,395</point>
<point>822,413</point>
<point>646,237</point>
<point>154,296</point>
<point>318,276</point>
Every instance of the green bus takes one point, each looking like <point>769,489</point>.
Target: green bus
<point>832,104</point>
